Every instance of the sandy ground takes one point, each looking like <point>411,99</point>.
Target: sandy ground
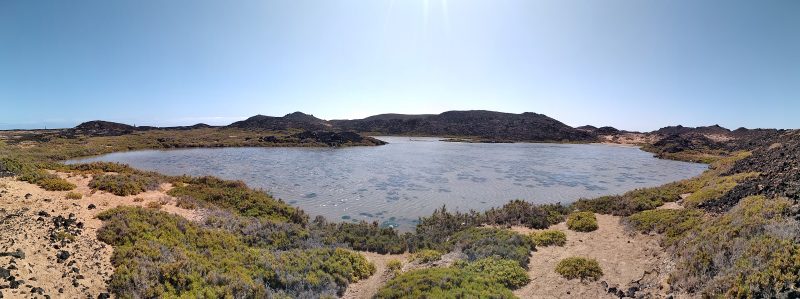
<point>26,223</point>
<point>367,288</point>
<point>624,258</point>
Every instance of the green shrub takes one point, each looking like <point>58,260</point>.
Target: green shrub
<point>426,256</point>
<point>446,283</point>
<point>359,236</point>
<point>579,268</point>
<point>259,232</point>
<point>73,195</point>
<point>549,238</point>
<point>672,223</point>
<point>124,184</point>
<point>505,272</point>
<point>394,267</point>
<point>55,183</point>
<point>434,231</point>
<point>518,212</point>
<point>749,252</point>
<point>582,221</point>
<point>478,243</point>
<point>237,196</point>
<point>157,254</point>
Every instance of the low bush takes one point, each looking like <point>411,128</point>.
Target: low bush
<point>260,232</point>
<point>478,243</point>
<point>434,231</point>
<point>124,184</point>
<point>155,205</point>
<point>446,283</point>
<point>359,236</point>
<point>579,268</point>
<point>672,223</point>
<point>749,252</point>
<point>186,203</point>
<point>518,212</point>
<point>237,196</point>
<point>73,195</point>
<point>394,267</point>
<point>426,256</point>
<point>157,254</point>
<point>549,238</point>
<point>505,272</point>
<point>54,183</point>
<point>582,221</point>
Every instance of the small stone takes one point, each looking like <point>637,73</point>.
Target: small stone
<point>4,273</point>
<point>62,255</point>
<point>28,196</point>
<point>91,206</point>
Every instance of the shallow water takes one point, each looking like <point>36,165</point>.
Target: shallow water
<point>396,183</point>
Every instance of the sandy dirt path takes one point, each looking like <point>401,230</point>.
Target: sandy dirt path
<point>623,258</point>
<point>367,288</point>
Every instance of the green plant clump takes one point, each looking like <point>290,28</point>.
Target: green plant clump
<point>582,221</point>
<point>518,212</point>
<point>549,238</point>
<point>359,236</point>
<point>73,195</point>
<point>506,272</point>
<point>426,256</point>
<point>394,267</point>
<point>124,184</point>
<point>446,283</point>
<point>579,268</point>
<point>478,243</point>
<point>672,223</point>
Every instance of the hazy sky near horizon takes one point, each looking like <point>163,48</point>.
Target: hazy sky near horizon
<point>632,64</point>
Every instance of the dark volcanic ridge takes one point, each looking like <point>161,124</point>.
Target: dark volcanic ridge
<point>476,125</point>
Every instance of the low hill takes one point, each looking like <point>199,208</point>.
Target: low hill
<point>487,125</point>
<point>296,120</point>
<point>102,128</point>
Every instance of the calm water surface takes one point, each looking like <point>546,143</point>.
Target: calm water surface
<point>410,177</point>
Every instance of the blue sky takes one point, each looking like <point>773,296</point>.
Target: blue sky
<point>632,64</point>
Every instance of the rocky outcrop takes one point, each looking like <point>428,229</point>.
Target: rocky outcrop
<point>779,166</point>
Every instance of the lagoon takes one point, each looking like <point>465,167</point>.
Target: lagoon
<point>396,183</point>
